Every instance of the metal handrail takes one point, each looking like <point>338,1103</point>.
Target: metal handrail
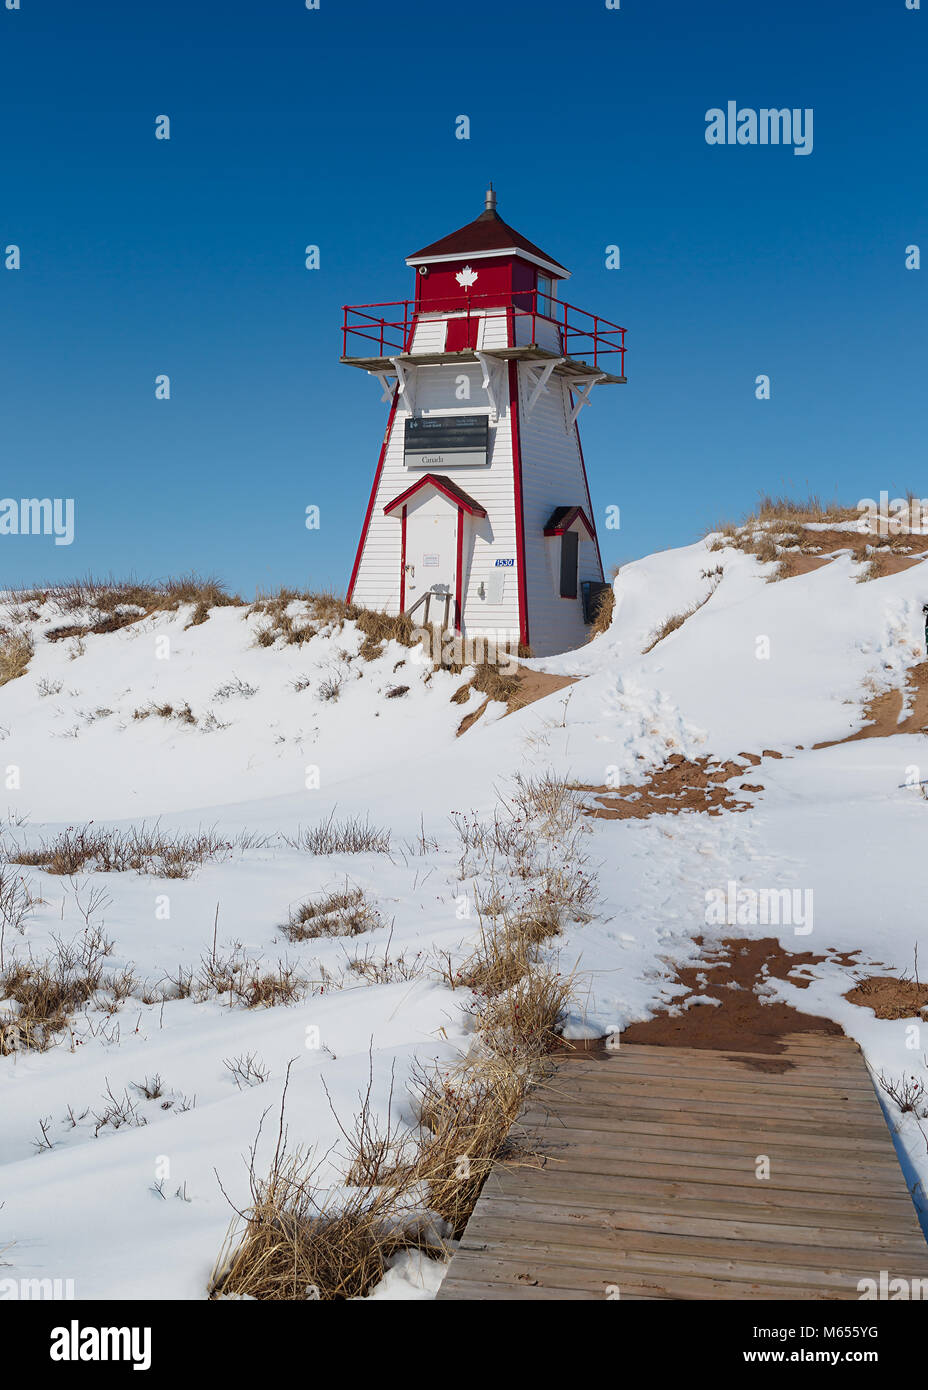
<point>581,334</point>
<point>426,598</point>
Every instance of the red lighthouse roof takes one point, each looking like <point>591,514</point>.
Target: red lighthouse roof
<point>487,235</point>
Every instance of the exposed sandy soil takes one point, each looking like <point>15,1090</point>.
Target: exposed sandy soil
<point>883,711</point>
<point>682,784</point>
<point>741,1020</point>
<point>889,997</point>
<point>893,563</point>
<point>794,564</point>
<point>533,685</point>
<point>827,542</point>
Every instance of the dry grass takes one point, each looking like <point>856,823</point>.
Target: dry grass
<point>488,679</point>
<point>522,1021</point>
<point>246,980</point>
<point>467,1118</point>
<point>505,952</point>
<point>379,628</point>
<point>107,605</point>
<point>38,998</point>
<point>330,611</point>
<point>183,714</point>
<point>344,913</point>
<point>783,513</point>
<point>142,849</point>
<point>16,903</point>
<point>676,620</point>
<point>669,625</point>
<point>16,651</point>
<point>602,617</point>
<point>800,509</point>
<point>876,569</point>
<point>294,1242</point>
<point>352,836</point>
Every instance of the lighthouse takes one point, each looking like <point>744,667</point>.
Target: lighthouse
<point>480,520</point>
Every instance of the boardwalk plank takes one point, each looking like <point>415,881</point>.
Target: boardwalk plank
<point>640,1179</point>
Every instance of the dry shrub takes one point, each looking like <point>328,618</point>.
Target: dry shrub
<point>119,603</point>
<point>344,913</point>
<point>332,611</point>
<point>384,969</point>
<point>762,546</point>
<point>468,1117</point>
<point>329,607</point>
<point>669,625</point>
<point>142,849</point>
<point>876,569</point>
<point>786,569</point>
<point>294,630</point>
<point>16,903</point>
<point>296,1242</point>
<point>245,980</point>
<point>908,1092</point>
<point>504,953</point>
<point>16,651</point>
<point>603,613</point>
<point>38,998</point>
<point>522,1022</point>
<point>800,509</point>
<point>381,627</point>
<point>676,620</point>
<point>352,836</point>
<point>182,713</point>
<point>489,680</point>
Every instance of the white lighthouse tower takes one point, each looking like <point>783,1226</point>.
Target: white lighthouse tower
<point>480,517</point>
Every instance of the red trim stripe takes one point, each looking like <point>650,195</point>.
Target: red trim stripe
<point>442,485</point>
<point>568,521</point>
<point>403,563</point>
<point>459,574</point>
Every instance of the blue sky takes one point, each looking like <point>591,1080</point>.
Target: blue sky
<point>336,127</point>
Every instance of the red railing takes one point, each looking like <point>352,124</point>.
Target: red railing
<point>581,335</point>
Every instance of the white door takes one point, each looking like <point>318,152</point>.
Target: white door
<point>431,559</point>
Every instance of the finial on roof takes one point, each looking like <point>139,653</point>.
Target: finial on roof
<point>490,204</point>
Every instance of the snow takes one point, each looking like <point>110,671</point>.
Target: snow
<point>836,820</point>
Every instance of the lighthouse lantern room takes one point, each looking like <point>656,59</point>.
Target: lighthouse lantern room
<point>480,518</point>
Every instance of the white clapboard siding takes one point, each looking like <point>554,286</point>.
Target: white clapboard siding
<point>552,476</point>
<point>378,581</point>
<point>431,332</point>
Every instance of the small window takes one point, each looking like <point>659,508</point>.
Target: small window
<point>569,551</point>
<point>545,295</point>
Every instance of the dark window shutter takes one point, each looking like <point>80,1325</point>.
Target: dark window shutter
<point>569,546</point>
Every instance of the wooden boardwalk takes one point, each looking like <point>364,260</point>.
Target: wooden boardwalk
<point>646,1186</point>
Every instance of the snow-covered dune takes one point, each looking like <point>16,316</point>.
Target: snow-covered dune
<point>280,737</point>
